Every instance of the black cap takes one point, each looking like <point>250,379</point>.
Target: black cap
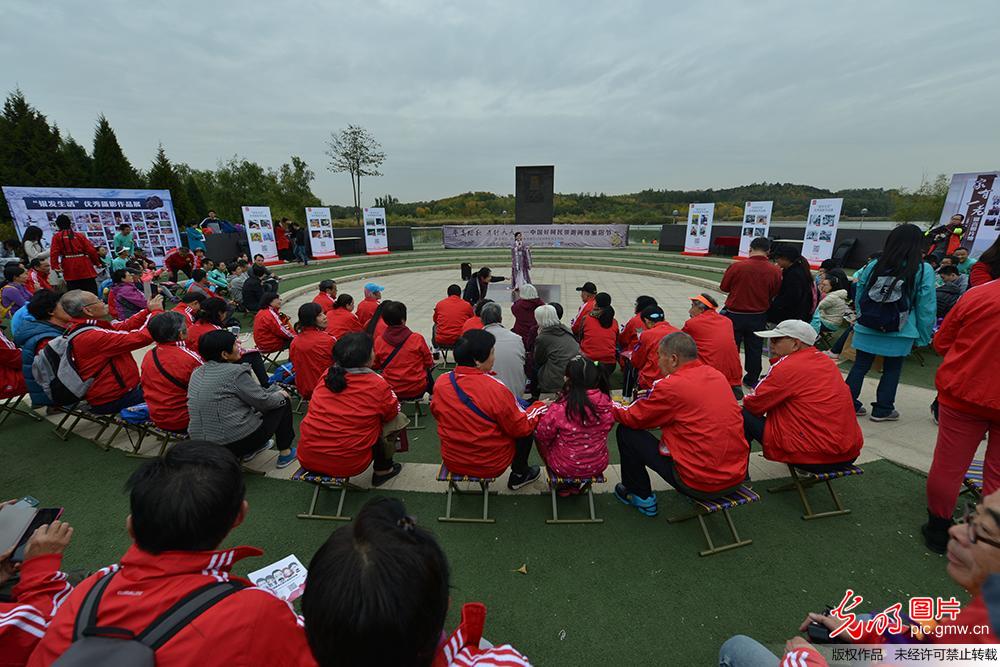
<point>653,313</point>
<point>588,287</point>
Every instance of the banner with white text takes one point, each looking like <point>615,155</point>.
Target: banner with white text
<point>756,222</point>
<point>376,232</point>
<point>699,229</point>
<point>976,197</point>
<point>98,213</point>
<point>260,233</point>
<point>821,230</point>
<point>536,236</point>
<point>319,226</point>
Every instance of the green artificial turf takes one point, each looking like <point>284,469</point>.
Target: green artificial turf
<point>630,591</point>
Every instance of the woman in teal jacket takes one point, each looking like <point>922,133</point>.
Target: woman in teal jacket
<point>901,260</point>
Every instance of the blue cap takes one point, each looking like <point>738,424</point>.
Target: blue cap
<point>373,287</point>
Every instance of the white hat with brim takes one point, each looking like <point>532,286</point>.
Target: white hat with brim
<point>791,329</point>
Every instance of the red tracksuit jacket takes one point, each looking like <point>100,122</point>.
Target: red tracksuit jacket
<point>324,301</point>
<point>470,444</point>
<point>598,343</point>
<point>168,404</point>
<point>581,316</point>
<point>713,334</point>
<point>341,321</point>
<point>311,354</point>
<point>185,310</point>
<point>112,341</point>
<point>702,426</point>
<point>449,316</point>
<point>366,309</point>
<point>462,649</point>
<point>646,357</point>
<point>11,377</point>
<point>197,330</point>
<point>629,337</point>
<point>472,323</point>
<point>339,429</point>
<point>36,596</point>
<point>406,373</point>
<point>74,255</point>
<point>271,330</point>
<point>810,413</point>
<point>967,378</point>
<point>174,261</point>
<point>250,627</point>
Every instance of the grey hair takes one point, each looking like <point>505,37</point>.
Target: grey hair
<point>681,344</point>
<point>73,302</point>
<point>546,316</point>
<point>491,314</point>
<point>528,291</point>
<point>167,327</point>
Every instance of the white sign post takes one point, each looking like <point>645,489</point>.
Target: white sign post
<point>376,232</point>
<point>260,233</point>
<point>319,226</point>
<point>699,229</point>
<point>821,230</point>
<point>756,223</point>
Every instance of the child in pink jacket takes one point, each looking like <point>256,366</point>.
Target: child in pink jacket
<point>572,436</point>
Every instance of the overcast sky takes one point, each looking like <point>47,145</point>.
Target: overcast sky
<point>619,96</point>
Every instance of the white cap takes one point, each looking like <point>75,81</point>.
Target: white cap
<point>792,329</point>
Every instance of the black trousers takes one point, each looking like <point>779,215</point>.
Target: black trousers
<point>753,429</point>
<point>277,423</point>
<point>522,449</point>
<point>640,450</point>
<point>381,462</point>
<point>256,365</point>
<point>744,326</point>
<point>86,284</point>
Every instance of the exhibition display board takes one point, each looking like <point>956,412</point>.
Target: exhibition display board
<point>975,196</point>
<point>699,229</point>
<point>376,234</point>
<point>260,233</point>
<point>319,226</point>
<point>821,230</point>
<point>756,223</point>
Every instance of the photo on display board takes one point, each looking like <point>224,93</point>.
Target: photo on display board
<point>316,234</point>
<point>315,224</point>
<point>815,219</point>
<point>254,224</point>
<point>118,217</point>
<point>268,236</point>
<point>371,232</point>
<point>829,219</point>
<point>105,216</point>
<point>748,231</point>
<point>151,215</point>
<point>694,231</point>
<point>761,219</point>
<point>760,231</point>
<point>255,237</point>
<point>812,235</point>
<point>704,218</point>
<point>327,234</point>
<point>747,219</point>
<point>136,216</point>
<point>826,235</point>
<point>164,215</point>
<point>990,222</point>
<point>51,215</point>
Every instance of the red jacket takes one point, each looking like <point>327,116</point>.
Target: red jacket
<point>324,300</point>
<point>366,309</point>
<point>406,373</point>
<point>462,648</point>
<point>646,357</point>
<point>197,330</point>
<point>980,275</point>
<point>11,372</point>
<point>249,627</point>
<point>701,423</point>
<point>629,337</point>
<point>311,354</point>
<point>74,255</point>
<point>340,321</point>
<point>449,316</point>
<point>470,444</point>
<point>473,322</point>
<point>339,429</point>
<point>598,343</point>
<point>751,284</point>
<point>185,310</point>
<point>167,402</point>
<point>713,334</point>
<point>581,315</point>
<point>175,261</point>
<point>810,413</point>
<point>111,342</point>
<point>525,324</point>
<point>39,280</point>
<point>966,380</point>
<point>271,330</point>
<point>281,238</point>
<point>36,597</point>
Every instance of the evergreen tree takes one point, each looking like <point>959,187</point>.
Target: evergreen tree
<point>78,168</point>
<point>163,176</point>
<point>194,196</point>
<point>111,168</point>
<point>27,145</point>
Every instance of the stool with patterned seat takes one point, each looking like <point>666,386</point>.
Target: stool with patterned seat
<point>974,478</point>
<point>584,484</point>
<point>164,436</point>
<point>445,475</point>
<point>77,415</point>
<point>803,479</point>
<point>319,483</point>
<point>742,496</point>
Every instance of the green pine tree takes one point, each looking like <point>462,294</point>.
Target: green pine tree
<point>27,145</point>
<point>78,168</point>
<point>111,168</point>
<point>194,196</point>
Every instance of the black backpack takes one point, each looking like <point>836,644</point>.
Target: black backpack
<point>884,304</point>
<point>118,647</point>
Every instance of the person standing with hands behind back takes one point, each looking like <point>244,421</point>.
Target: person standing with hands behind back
<point>75,256</point>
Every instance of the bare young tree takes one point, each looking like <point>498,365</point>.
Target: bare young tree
<point>355,151</point>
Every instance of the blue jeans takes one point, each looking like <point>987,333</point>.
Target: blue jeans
<point>300,254</point>
<point>885,395</point>
<point>742,651</point>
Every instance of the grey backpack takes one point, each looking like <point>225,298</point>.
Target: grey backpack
<point>118,647</point>
<point>55,373</point>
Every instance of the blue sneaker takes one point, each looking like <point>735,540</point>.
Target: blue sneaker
<point>645,506</point>
<point>285,460</point>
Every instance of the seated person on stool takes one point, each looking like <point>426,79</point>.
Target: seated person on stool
<point>272,330</point>
<point>341,319</point>
<point>482,427</point>
<point>802,412</point>
<point>327,295</point>
<point>702,452</point>
<point>311,352</point>
<point>212,315</point>
<point>352,417</point>
<point>402,356</point>
<point>189,306</point>
<point>166,372</point>
<point>645,358</point>
<point>713,334</point>
<point>450,314</point>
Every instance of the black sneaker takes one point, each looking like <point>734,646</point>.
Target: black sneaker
<point>378,479</point>
<point>935,533</point>
<point>517,481</point>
